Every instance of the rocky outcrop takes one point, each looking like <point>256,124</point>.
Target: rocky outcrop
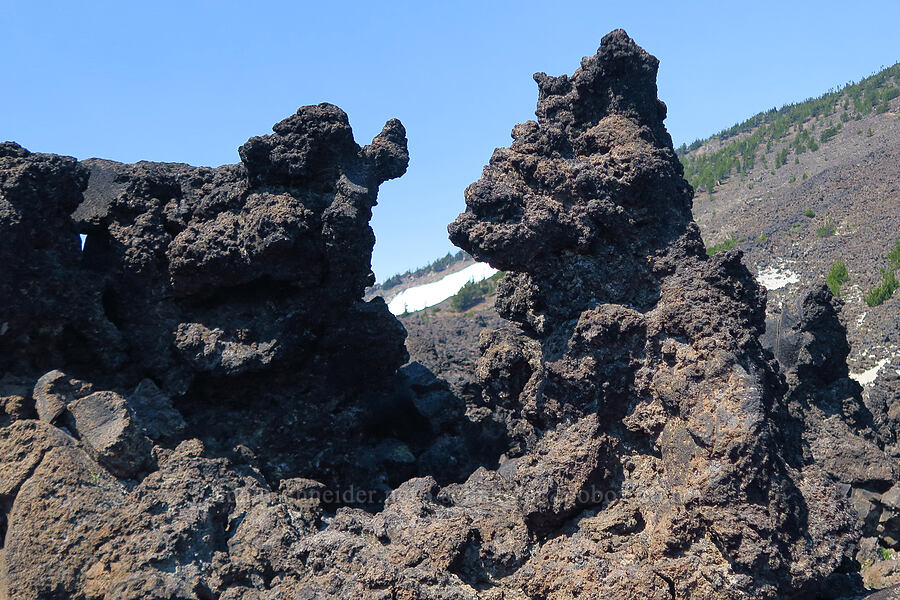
<point>222,270</point>
<point>635,326</point>
<point>217,405</point>
<point>213,292</point>
<point>51,310</point>
<point>222,305</point>
<point>839,432</point>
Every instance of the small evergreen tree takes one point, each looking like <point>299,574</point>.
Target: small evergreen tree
<point>837,276</point>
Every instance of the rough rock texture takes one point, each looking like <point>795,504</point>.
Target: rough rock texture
<point>53,393</point>
<point>50,308</point>
<point>106,424</point>
<point>215,292</point>
<point>839,432</point>
<point>650,447</point>
<point>811,347</point>
<point>222,304</point>
<point>627,319</point>
<point>893,593</point>
<point>154,411</point>
<point>15,399</point>
<point>219,270</point>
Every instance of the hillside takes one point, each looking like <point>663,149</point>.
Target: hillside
<point>774,136</point>
<point>455,281</point>
<point>440,265</point>
<point>803,188</point>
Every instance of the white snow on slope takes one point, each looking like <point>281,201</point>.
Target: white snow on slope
<point>867,377</point>
<point>429,294</point>
<point>775,278</point>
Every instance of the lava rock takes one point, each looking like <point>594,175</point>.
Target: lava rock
<point>882,574</point>
<point>650,447</point>
<point>154,411</point>
<point>107,426</point>
<point>54,498</point>
<point>52,313</point>
<point>53,393</point>
<point>627,319</point>
<point>16,401</point>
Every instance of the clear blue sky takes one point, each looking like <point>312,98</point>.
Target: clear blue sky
<point>191,81</point>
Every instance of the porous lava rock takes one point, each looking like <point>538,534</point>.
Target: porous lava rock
<point>643,454</point>
<point>214,291</point>
<point>626,320</point>
<point>216,304</point>
<point>223,272</point>
<point>51,310</point>
<point>837,429</point>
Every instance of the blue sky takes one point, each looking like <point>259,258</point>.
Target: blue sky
<point>191,81</point>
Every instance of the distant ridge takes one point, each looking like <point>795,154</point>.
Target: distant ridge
<point>436,266</point>
<point>736,150</point>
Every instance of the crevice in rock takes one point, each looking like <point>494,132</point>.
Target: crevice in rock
<point>669,582</point>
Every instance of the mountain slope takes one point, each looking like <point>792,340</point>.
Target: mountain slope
<point>432,285</point>
<point>771,137</point>
<point>810,188</point>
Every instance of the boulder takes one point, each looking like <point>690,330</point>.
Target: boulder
<point>53,393</point>
<point>882,574</point>
<point>16,400</point>
<point>105,423</point>
<point>54,500</point>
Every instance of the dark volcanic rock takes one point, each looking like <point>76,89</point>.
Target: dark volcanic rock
<point>590,215</point>
<point>239,287</point>
<point>221,272</point>
<point>650,448</point>
<point>154,411</point>
<point>223,304</point>
<point>839,432</point>
<point>51,307</point>
<point>811,346</point>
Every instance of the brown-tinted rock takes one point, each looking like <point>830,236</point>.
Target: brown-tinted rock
<point>54,391</point>
<point>105,423</point>
<point>882,574</point>
<point>650,449</point>
<point>588,213</point>
<point>16,401</point>
<point>54,498</point>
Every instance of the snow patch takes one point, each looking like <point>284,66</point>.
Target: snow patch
<point>775,278</point>
<point>429,294</point>
<point>869,376</point>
